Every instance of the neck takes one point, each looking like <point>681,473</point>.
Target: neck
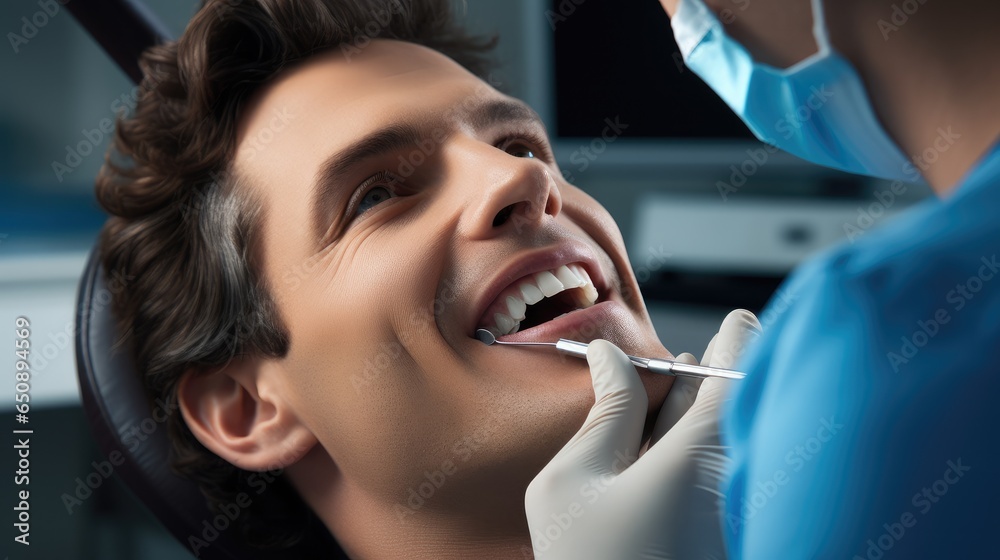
<point>932,79</point>
<point>371,528</point>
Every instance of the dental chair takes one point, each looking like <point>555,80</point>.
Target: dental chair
<point>111,391</point>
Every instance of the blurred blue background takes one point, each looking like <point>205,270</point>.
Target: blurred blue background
<point>709,225</point>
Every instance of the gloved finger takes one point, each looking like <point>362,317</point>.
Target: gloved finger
<point>737,332</point>
<point>696,431</point>
<point>682,394</point>
<point>609,439</point>
<point>706,357</point>
<point>680,398</point>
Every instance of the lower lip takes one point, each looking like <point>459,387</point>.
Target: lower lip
<point>574,325</point>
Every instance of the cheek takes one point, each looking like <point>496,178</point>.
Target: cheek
<point>352,378</point>
<point>348,344</point>
<point>359,301</point>
<point>395,424</point>
<point>367,404</point>
<point>589,215</point>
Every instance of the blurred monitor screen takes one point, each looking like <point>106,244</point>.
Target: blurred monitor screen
<point>619,59</point>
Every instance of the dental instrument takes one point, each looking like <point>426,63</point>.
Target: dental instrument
<point>655,365</point>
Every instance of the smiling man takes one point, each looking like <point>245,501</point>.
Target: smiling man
<point>318,221</point>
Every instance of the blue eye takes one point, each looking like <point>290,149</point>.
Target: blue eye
<point>372,198</point>
<point>378,191</point>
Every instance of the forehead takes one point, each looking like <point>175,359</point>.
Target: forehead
<point>356,87</point>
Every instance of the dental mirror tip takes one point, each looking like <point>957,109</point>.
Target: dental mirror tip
<point>489,339</point>
<point>485,336</point>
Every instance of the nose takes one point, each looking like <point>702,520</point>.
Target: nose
<point>513,194</point>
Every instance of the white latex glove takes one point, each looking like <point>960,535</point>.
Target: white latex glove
<point>594,501</point>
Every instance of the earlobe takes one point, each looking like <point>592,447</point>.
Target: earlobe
<point>234,414</point>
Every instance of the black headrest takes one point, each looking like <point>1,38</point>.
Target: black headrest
<point>115,404</point>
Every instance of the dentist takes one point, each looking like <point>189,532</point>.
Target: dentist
<point>863,429</point>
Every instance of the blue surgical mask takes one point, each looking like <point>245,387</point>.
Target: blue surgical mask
<point>817,109</point>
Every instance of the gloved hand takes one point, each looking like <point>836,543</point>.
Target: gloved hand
<point>590,503</point>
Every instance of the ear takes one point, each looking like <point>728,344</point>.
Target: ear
<point>237,413</point>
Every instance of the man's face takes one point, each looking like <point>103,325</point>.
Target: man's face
<point>456,199</point>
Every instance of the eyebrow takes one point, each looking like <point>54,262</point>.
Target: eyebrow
<point>327,190</point>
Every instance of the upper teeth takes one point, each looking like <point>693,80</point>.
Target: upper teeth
<point>531,290</point>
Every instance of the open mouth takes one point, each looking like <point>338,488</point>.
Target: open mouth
<point>539,298</point>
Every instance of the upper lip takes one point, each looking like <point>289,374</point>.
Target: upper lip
<point>537,261</point>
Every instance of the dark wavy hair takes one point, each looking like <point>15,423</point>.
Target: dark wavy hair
<point>184,230</point>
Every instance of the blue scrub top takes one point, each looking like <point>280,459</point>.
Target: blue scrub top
<point>867,425</point>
